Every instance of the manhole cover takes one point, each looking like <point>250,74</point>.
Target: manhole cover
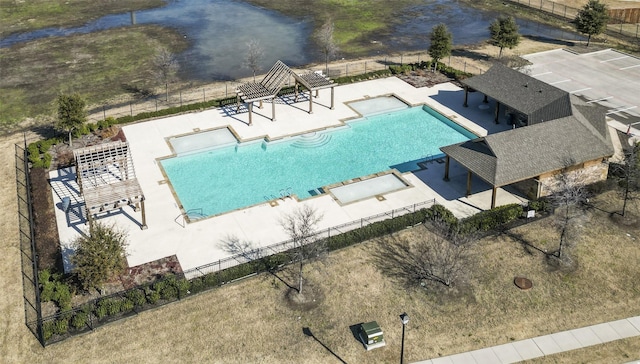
<point>523,283</point>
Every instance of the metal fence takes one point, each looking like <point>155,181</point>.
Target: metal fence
<point>129,105</point>
<point>289,244</point>
<point>620,22</point>
<point>62,325</point>
<point>28,255</point>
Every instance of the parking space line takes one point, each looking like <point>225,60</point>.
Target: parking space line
<point>567,80</point>
<point>617,110</point>
<point>614,59</point>
<point>626,68</point>
<point>582,89</point>
<point>541,74</point>
<point>601,99</point>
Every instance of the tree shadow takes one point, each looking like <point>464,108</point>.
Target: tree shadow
<point>137,92</point>
<point>307,332</point>
<point>527,246</point>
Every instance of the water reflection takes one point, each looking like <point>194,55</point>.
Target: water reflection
<point>219,30</point>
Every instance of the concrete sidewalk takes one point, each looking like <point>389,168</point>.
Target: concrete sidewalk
<point>547,345</point>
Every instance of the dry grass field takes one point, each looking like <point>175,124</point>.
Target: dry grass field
<point>251,322</point>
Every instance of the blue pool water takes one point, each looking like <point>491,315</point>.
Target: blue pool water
<point>234,177</point>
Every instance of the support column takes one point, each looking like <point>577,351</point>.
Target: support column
<point>493,196</point>
<point>331,98</point>
<point>296,91</point>
<point>497,118</point>
<point>144,216</point>
<point>273,109</point>
<point>466,96</point>
<point>311,102</point>
<point>446,168</point>
<point>250,108</point>
<point>468,183</point>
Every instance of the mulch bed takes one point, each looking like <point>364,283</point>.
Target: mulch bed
<point>150,272</point>
<point>423,78</point>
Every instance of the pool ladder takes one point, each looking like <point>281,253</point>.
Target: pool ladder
<point>192,215</point>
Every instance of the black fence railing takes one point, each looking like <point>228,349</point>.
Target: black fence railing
<point>28,254</point>
<point>119,305</point>
<point>288,244</point>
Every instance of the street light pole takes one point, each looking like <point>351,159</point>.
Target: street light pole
<point>405,319</point>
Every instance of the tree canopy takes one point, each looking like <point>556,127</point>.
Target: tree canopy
<point>441,42</point>
<point>504,33</point>
<point>100,255</point>
<point>72,113</point>
<point>592,19</point>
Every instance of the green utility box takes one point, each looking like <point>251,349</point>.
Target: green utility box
<point>371,335</point>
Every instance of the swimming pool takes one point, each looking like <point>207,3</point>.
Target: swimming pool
<point>238,176</point>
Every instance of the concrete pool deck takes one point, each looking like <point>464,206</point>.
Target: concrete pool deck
<point>200,242</point>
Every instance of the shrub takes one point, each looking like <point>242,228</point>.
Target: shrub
<point>52,288</point>
<point>490,219</point>
<point>153,296</point>
<point>79,320</point>
<point>48,329</point>
<point>62,326</point>
<point>136,296</point>
<point>107,307</point>
<point>540,205</point>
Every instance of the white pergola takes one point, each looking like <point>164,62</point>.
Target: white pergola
<point>107,179</point>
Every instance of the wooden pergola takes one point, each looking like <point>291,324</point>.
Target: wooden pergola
<point>107,179</point>
<point>272,83</point>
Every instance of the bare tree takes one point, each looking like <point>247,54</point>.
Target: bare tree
<point>255,55</point>
<point>438,255</point>
<point>324,37</point>
<point>301,226</point>
<point>569,197</point>
<point>165,68</point>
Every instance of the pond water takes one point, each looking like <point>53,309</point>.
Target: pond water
<point>219,31</point>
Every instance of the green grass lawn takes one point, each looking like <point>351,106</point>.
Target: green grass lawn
<point>22,16</point>
<point>98,66</point>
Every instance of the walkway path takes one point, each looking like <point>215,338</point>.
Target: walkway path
<point>547,345</point>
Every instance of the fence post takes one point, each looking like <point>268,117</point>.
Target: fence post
<point>130,108</point>
<point>204,97</point>
<point>553,7</point>
<point>465,66</point>
<point>104,113</point>
<point>225,89</point>
<point>365,63</point>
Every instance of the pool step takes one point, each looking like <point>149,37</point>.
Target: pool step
<point>311,140</point>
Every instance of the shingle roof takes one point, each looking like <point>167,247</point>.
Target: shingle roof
<point>522,153</point>
<point>532,97</point>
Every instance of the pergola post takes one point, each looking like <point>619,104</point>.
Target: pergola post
<point>311,102</point>
<point>468,183</point>
<point>446,168</point>
<point>466,96</point>
<point>494,191</point>
<point>144,216</point>
<point>273,109</point>
<point>331,98</point>
<point>497,118</point>
<point>250,108</point>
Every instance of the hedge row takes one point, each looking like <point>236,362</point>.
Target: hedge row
<point>442,68</point>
